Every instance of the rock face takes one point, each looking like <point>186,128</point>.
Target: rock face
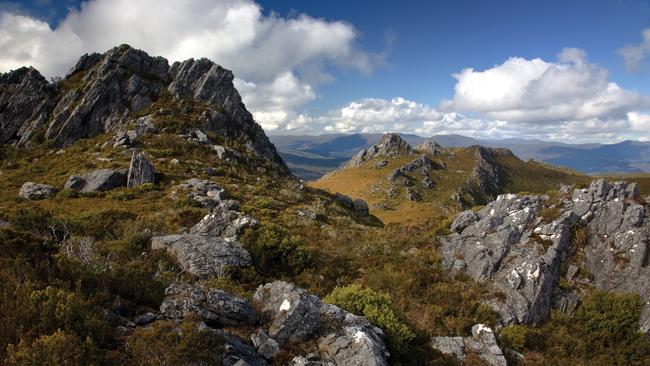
<point>211,305</point>
<point>224,221</point>
<point>207,193</point>
<point>140,171</point>
<point>485,180</point>
<point>292,315</point>
<point>358,205</point>
<point>36,191</point>
<point>97,181</point>
<point>26,100</point>
<point>482,344</point>
<point>513,245</point>
<point>201,255</point>
<point>102,90</point>
<point>390,145</point>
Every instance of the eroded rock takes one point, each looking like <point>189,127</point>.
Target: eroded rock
<point>482,344</point>
<point>36,191</point>
<point>97,181</point>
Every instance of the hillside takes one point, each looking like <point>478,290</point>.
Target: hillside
<point>427,184</point>
<point>310,157</point>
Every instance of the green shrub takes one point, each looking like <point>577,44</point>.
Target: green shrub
<point>33,219</point>
<point>514,336</point>
<point>379,309</point>
<point>99,225</point>
<point>58,349</point>
<point>276,252</point>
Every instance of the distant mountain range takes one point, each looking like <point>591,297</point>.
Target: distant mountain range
<point>309,157</point>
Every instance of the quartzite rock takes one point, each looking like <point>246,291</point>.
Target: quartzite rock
<point>97,181</point>
<point>36,191</point>
<point>391,145</point>
<point>482,343</point>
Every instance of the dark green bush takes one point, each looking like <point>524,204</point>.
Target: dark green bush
<point>276,252</point>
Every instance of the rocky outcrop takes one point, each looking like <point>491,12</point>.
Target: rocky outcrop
<point>211,305</point>
<point>140,171</point>
<point>97,181</point>
<point>224,221</point>
<point>36,191</point>
<point>482,344</point>
<point>429,146</point>
<point>390,145</point>
<point>205,192</point>
<point>518,243</point>
<point>102,91</point>
<point>486,181</point>
<point>203,256</point>
<point>292,316</point>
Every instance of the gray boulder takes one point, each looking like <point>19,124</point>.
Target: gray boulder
<point>4,224</point>
<point>203,256</point>
<point>97,181</point>
<point>140,171</point>
<point>211,305</point>
<point>482,344</point>
<point>36,191</point>
<point>390,145</point>
<point>359,206</point>
<point>353,345</point>
<point>266,346</point>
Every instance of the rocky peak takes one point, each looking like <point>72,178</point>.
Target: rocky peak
<point>103,91</point>
<point>391,145</point>
<point>486,180</point>
<point>429,146</point>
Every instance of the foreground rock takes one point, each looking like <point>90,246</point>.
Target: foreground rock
<point>482,344</point>
<point>390,145</point>
<point>292,316</point>
<point>97,181</point>
<point>36,191</point>
<point>517,244</point>
<point>203,256</point>
<point>140,171</point>
<point>205,192</point>
<point>224,221</point>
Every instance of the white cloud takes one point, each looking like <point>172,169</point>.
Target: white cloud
<point>264,51</point>
<point>634,55</point>
<point>536,91</point>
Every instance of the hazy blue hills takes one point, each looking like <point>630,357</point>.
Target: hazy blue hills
<point>309,157</point>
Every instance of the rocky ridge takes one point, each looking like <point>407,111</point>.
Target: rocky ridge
<point>390,145</point>
<point>106,92</point>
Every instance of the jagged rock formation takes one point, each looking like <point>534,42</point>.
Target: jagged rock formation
<point>482,344</point>
<point>26,100</point>
<point>286,317</point>
<point>101,92</point>
<point>224,221</point>
<point>36,191</point>
<point>390,145</point>
<point>140,171</point>
<point>292,315</point>
<point>96,181</point>
<point>205,192</point>
<point>486,180</point>
<point>518,244</point>
<point>429,146</point>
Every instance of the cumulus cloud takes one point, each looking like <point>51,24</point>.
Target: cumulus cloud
<point>635,54</point>
<point>264,51</point>
<point>536,91</point>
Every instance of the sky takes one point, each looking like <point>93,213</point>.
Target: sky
<point>565,70</point>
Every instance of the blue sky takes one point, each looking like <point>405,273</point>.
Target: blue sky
<point>396,70</point>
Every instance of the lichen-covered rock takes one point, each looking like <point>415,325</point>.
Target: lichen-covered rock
<point>482,344</point>
<point>211,305</point>
<point>201,255</point>
<point>359,206</point>
<point>140,171</point>
<point>291,315</point>
<point>36,191</point>
<point>97,181</point>
<point>390,145</point>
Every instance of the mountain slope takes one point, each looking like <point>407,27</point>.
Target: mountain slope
<point>402,184</point>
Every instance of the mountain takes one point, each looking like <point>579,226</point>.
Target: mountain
<point>309,157</point>
<point>405,184</point>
